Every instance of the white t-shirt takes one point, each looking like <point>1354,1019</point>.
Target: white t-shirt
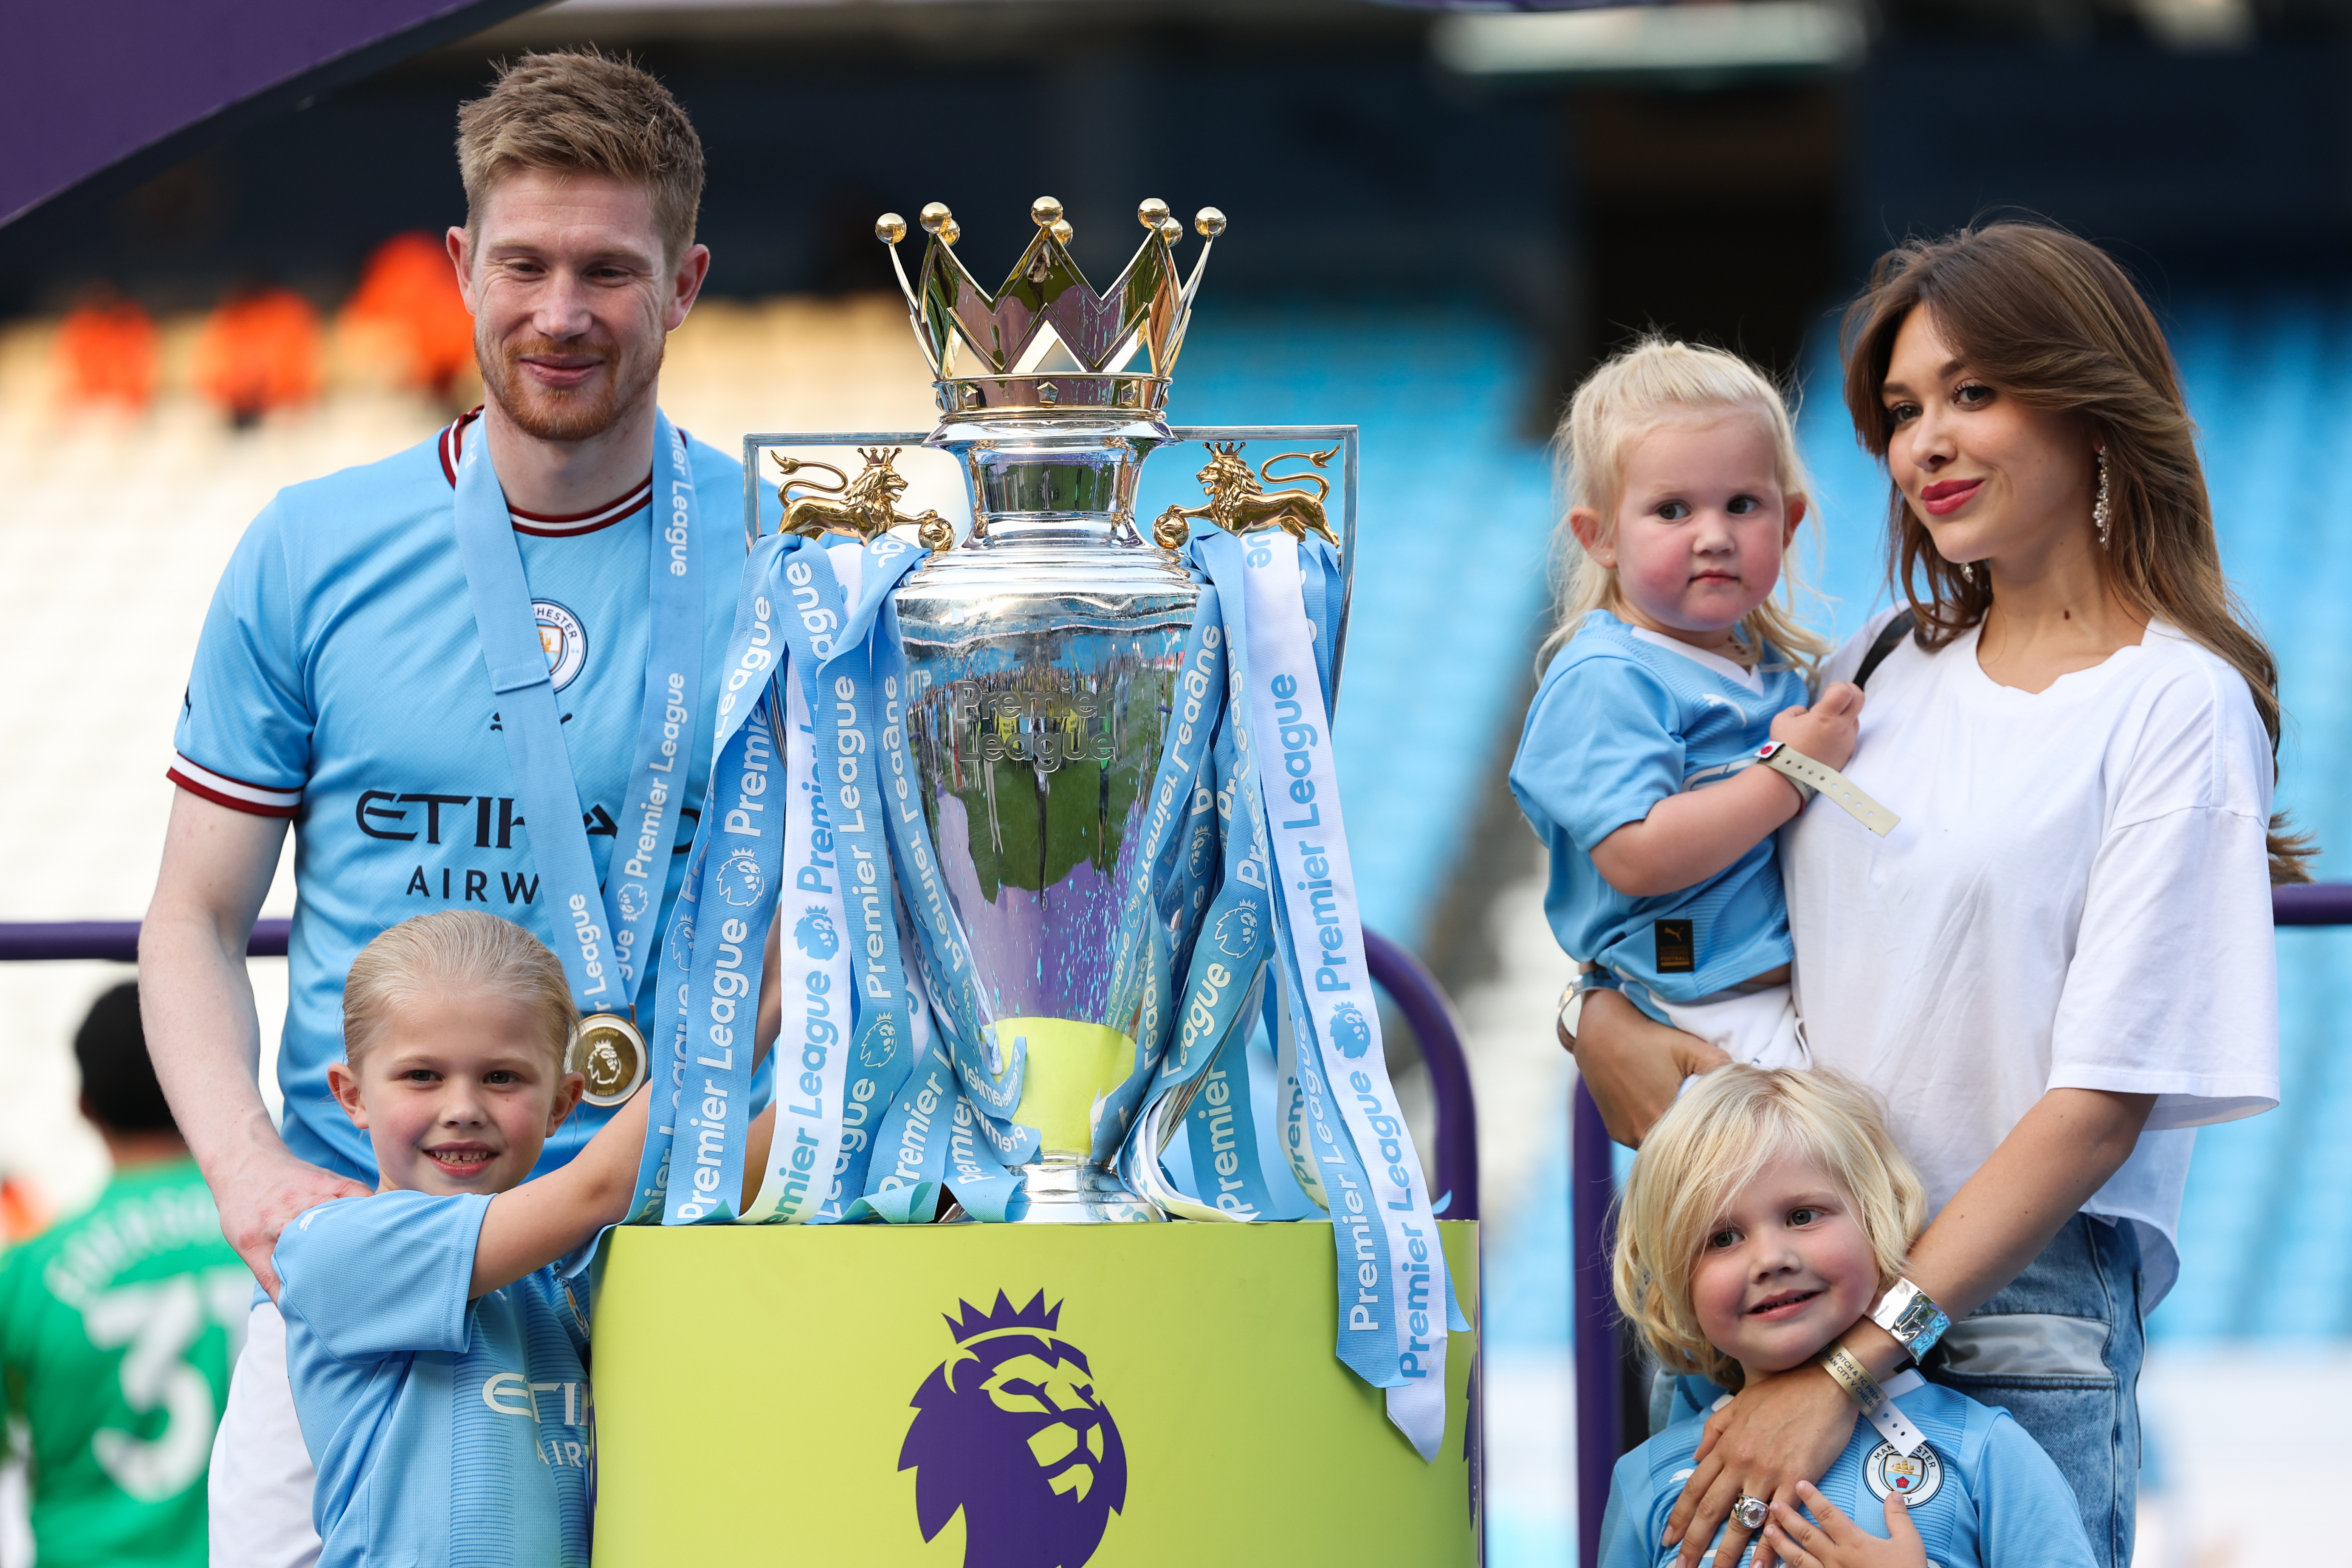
<point>2077,897</point>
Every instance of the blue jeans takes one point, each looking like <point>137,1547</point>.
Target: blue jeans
<point>2060,1349</point>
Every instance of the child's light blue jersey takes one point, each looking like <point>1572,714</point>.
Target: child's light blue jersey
<point>1982,1493</point>
<point>1619,724</point>
<point>445,1431</point>
<point>340,682</point>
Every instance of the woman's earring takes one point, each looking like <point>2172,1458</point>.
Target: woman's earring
<point>2102,515</point>
<point>1968,573</point>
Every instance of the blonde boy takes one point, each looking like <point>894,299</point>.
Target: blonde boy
<point>1767,1211</point>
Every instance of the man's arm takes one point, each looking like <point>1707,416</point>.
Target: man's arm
<point>195,1004</point>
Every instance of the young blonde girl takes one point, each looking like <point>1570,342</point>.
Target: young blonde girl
<point>1673,663</point>
<point>1767,1211</point>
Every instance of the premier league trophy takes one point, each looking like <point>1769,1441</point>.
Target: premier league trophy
<point>1060,821</point>
<point>1045,652</point>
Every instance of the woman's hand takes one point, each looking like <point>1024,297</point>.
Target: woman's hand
<point>1779,1432</point>
<point>1836,1541</point>
<point>1633,1065</point>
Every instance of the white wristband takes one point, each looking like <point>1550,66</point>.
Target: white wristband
<point>1810,776</point>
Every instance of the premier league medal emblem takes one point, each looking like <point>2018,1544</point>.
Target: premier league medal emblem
<point>607,1050</point>
<point>1914,1478</point>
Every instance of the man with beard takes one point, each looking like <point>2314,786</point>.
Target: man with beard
<point>478,673</point>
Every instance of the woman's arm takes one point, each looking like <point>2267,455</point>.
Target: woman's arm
<point>1791,1427</point>
<point>1690,837</point>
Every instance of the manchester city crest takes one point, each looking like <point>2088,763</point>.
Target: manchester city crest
<point>1914,1478</point>
<point>1009,1431</point>
<point>564,639</point>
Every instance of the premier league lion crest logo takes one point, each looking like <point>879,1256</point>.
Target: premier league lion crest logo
<point>815,934</point>
<point>1351,1031</point>
<point>1237,931</point>
<point>634,899</point>
<point>1009,1432</point>
<point>740,880</point>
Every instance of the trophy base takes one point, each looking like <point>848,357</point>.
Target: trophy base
<point>1080,1193</point>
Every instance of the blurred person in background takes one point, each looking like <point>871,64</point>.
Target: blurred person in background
<point>408,318</point>
<point>259,351</point>
<point>105,351</point>
<point>343,683</point>
<point>118,1328</point>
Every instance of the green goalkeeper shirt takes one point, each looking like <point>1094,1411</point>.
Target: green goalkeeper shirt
<point>118,1328</point>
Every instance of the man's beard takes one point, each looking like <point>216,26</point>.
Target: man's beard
<point>575,413</point>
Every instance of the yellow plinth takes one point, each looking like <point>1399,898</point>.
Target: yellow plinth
<point>756,1388</point>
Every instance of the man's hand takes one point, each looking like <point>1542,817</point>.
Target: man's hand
<point>1826,730</point>
<point>264,1197</point>
<point>1836,1541</point>
<point>1779,1431</point>
<point>1633,1065</point>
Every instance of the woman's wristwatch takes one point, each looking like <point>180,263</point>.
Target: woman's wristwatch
<point>1812,777</point>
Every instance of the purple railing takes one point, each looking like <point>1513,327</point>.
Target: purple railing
<point>115,941</point>
<point>1600,1403</point>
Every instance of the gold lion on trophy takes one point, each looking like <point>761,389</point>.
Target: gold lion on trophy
<point>862,508</point>
<point>1239,501</point>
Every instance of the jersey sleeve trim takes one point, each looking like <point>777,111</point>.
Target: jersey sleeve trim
<point>259,800</point>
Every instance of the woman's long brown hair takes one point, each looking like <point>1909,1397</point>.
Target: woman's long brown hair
<point>2051,321</point>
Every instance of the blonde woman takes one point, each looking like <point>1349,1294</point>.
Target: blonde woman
<point>2062,960</point>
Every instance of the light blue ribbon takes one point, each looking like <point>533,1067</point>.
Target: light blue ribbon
<point>603,935</point>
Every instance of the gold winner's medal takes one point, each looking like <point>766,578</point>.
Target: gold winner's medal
<point>607,1050</point>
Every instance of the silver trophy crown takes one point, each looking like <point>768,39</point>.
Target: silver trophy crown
<point>1045,653</point>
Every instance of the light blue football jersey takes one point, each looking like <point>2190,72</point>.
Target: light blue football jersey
<point>340,682</point>
<point>444,1431</point>
<point>1982,1493</point>
<point>1618,724</point>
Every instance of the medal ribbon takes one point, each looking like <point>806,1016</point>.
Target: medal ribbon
<point>604,936</point>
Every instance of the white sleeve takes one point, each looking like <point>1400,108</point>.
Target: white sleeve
<point>2172,989</point>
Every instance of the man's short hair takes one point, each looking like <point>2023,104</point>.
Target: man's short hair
<point>587,112</point>
<point>118,1081</point>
